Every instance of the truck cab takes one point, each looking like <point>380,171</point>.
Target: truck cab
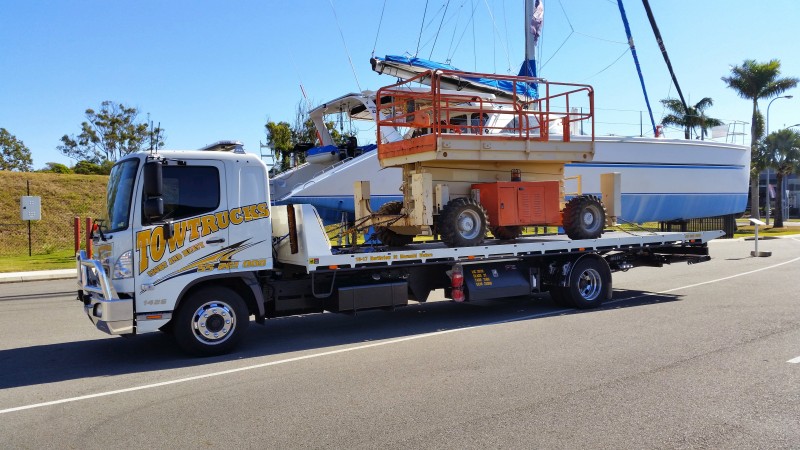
<point>174,221</point>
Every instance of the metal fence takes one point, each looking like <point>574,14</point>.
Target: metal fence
<point>61,201</point>
<point>725,223</point>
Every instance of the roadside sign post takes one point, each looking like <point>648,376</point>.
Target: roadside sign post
<point>30,209</point>
<point>756,223</point>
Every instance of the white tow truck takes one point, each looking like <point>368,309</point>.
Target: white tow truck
<point>191,245</point>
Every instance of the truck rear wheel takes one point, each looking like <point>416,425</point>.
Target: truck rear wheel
<point>387,236</point>
<point>589,283</point>
<point>211,321</point>
<point>463,223</point>
<point>584,217</point>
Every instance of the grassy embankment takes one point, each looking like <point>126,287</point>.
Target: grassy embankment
<point>63,198</point>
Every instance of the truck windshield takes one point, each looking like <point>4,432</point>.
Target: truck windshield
<point>119,195</point>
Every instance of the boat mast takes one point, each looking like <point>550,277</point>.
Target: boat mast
<point>534,18</point>
<point>663,48</point>
<point>636,61</point>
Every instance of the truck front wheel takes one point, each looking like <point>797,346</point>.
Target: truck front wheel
<point>211,321</point>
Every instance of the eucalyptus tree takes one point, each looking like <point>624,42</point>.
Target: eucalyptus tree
<point>14,155</point>
<point>111,133</point>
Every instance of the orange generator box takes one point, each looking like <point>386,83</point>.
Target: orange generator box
<point>521,202</point>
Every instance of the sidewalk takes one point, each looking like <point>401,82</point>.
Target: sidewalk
<point>38,275</point>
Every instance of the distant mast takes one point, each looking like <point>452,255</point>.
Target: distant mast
<point>534,19</point>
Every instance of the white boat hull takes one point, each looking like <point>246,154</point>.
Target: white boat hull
<point>662,180</point>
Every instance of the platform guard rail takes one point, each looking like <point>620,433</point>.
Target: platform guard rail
<point>437,111</point>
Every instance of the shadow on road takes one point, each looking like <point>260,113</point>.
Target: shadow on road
<point>54,363</point>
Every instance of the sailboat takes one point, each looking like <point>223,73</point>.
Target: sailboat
<point>661,179</point>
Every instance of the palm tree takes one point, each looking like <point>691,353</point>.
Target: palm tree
<point>782,152</point>
<point>754,81</point>
<point>690,118</point>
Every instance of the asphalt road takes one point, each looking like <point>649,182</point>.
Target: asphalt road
<point>685,356</point>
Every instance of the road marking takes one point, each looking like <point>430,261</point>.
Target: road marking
<point>274,363</point>
<point>651,294</point>
<point>794,360</point>
<point>362,347</point>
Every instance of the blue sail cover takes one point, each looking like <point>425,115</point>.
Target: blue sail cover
<point>525,89</point>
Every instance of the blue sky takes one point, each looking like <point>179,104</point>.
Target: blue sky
<point>219,70</point>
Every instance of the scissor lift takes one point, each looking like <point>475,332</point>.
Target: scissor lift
<point>472,165</point>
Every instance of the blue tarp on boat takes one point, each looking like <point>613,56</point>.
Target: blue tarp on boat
<point>526,89</point>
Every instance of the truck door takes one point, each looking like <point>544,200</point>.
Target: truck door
<point>189,242</point>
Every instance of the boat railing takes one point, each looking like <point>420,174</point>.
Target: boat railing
<point>290,170</point>
<point>334,165</point>
<point>313,178</point>
<point>525,116</point>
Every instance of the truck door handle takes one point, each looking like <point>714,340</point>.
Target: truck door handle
<point>215,241</point>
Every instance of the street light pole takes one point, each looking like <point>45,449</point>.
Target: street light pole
<point>766,193</point>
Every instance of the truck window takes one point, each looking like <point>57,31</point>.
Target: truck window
<point>252,185</point>
<point>190,191</point>
<point>118,196</point>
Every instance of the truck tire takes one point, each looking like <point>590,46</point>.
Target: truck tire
<point>507,233</point>
<point>387,236</point>
<point>211,321</point>
<point>463,223</point>
<point>584,217</point>
<point>589,283</point>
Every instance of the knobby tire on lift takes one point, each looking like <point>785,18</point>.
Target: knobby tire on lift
<point>463,223</point>
<point>387,236</point>
<point>584,217</point>
<point>507,233</point>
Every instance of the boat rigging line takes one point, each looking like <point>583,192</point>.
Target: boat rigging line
<point>474,44</point>
<point>378,33</point>
<point>466,27</point>
<point>636,62</point>
<point>571,32</point>
<point>421,26</point>
<point>344,42</point>
<point>436,38</point>
<point>606,67</point>
<point>496,32</point>
<point>453,37</point>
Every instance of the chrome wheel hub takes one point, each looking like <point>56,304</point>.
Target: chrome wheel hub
<point>590,284</point>
<point>213,322</point>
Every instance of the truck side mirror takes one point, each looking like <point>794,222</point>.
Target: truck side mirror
<point>153,205</point>
<point>153,184</point>
<point>153,208</point>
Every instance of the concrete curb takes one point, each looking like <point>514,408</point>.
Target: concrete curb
<point>38,275</point>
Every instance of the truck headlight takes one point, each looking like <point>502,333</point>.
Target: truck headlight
<point>123,268</point>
